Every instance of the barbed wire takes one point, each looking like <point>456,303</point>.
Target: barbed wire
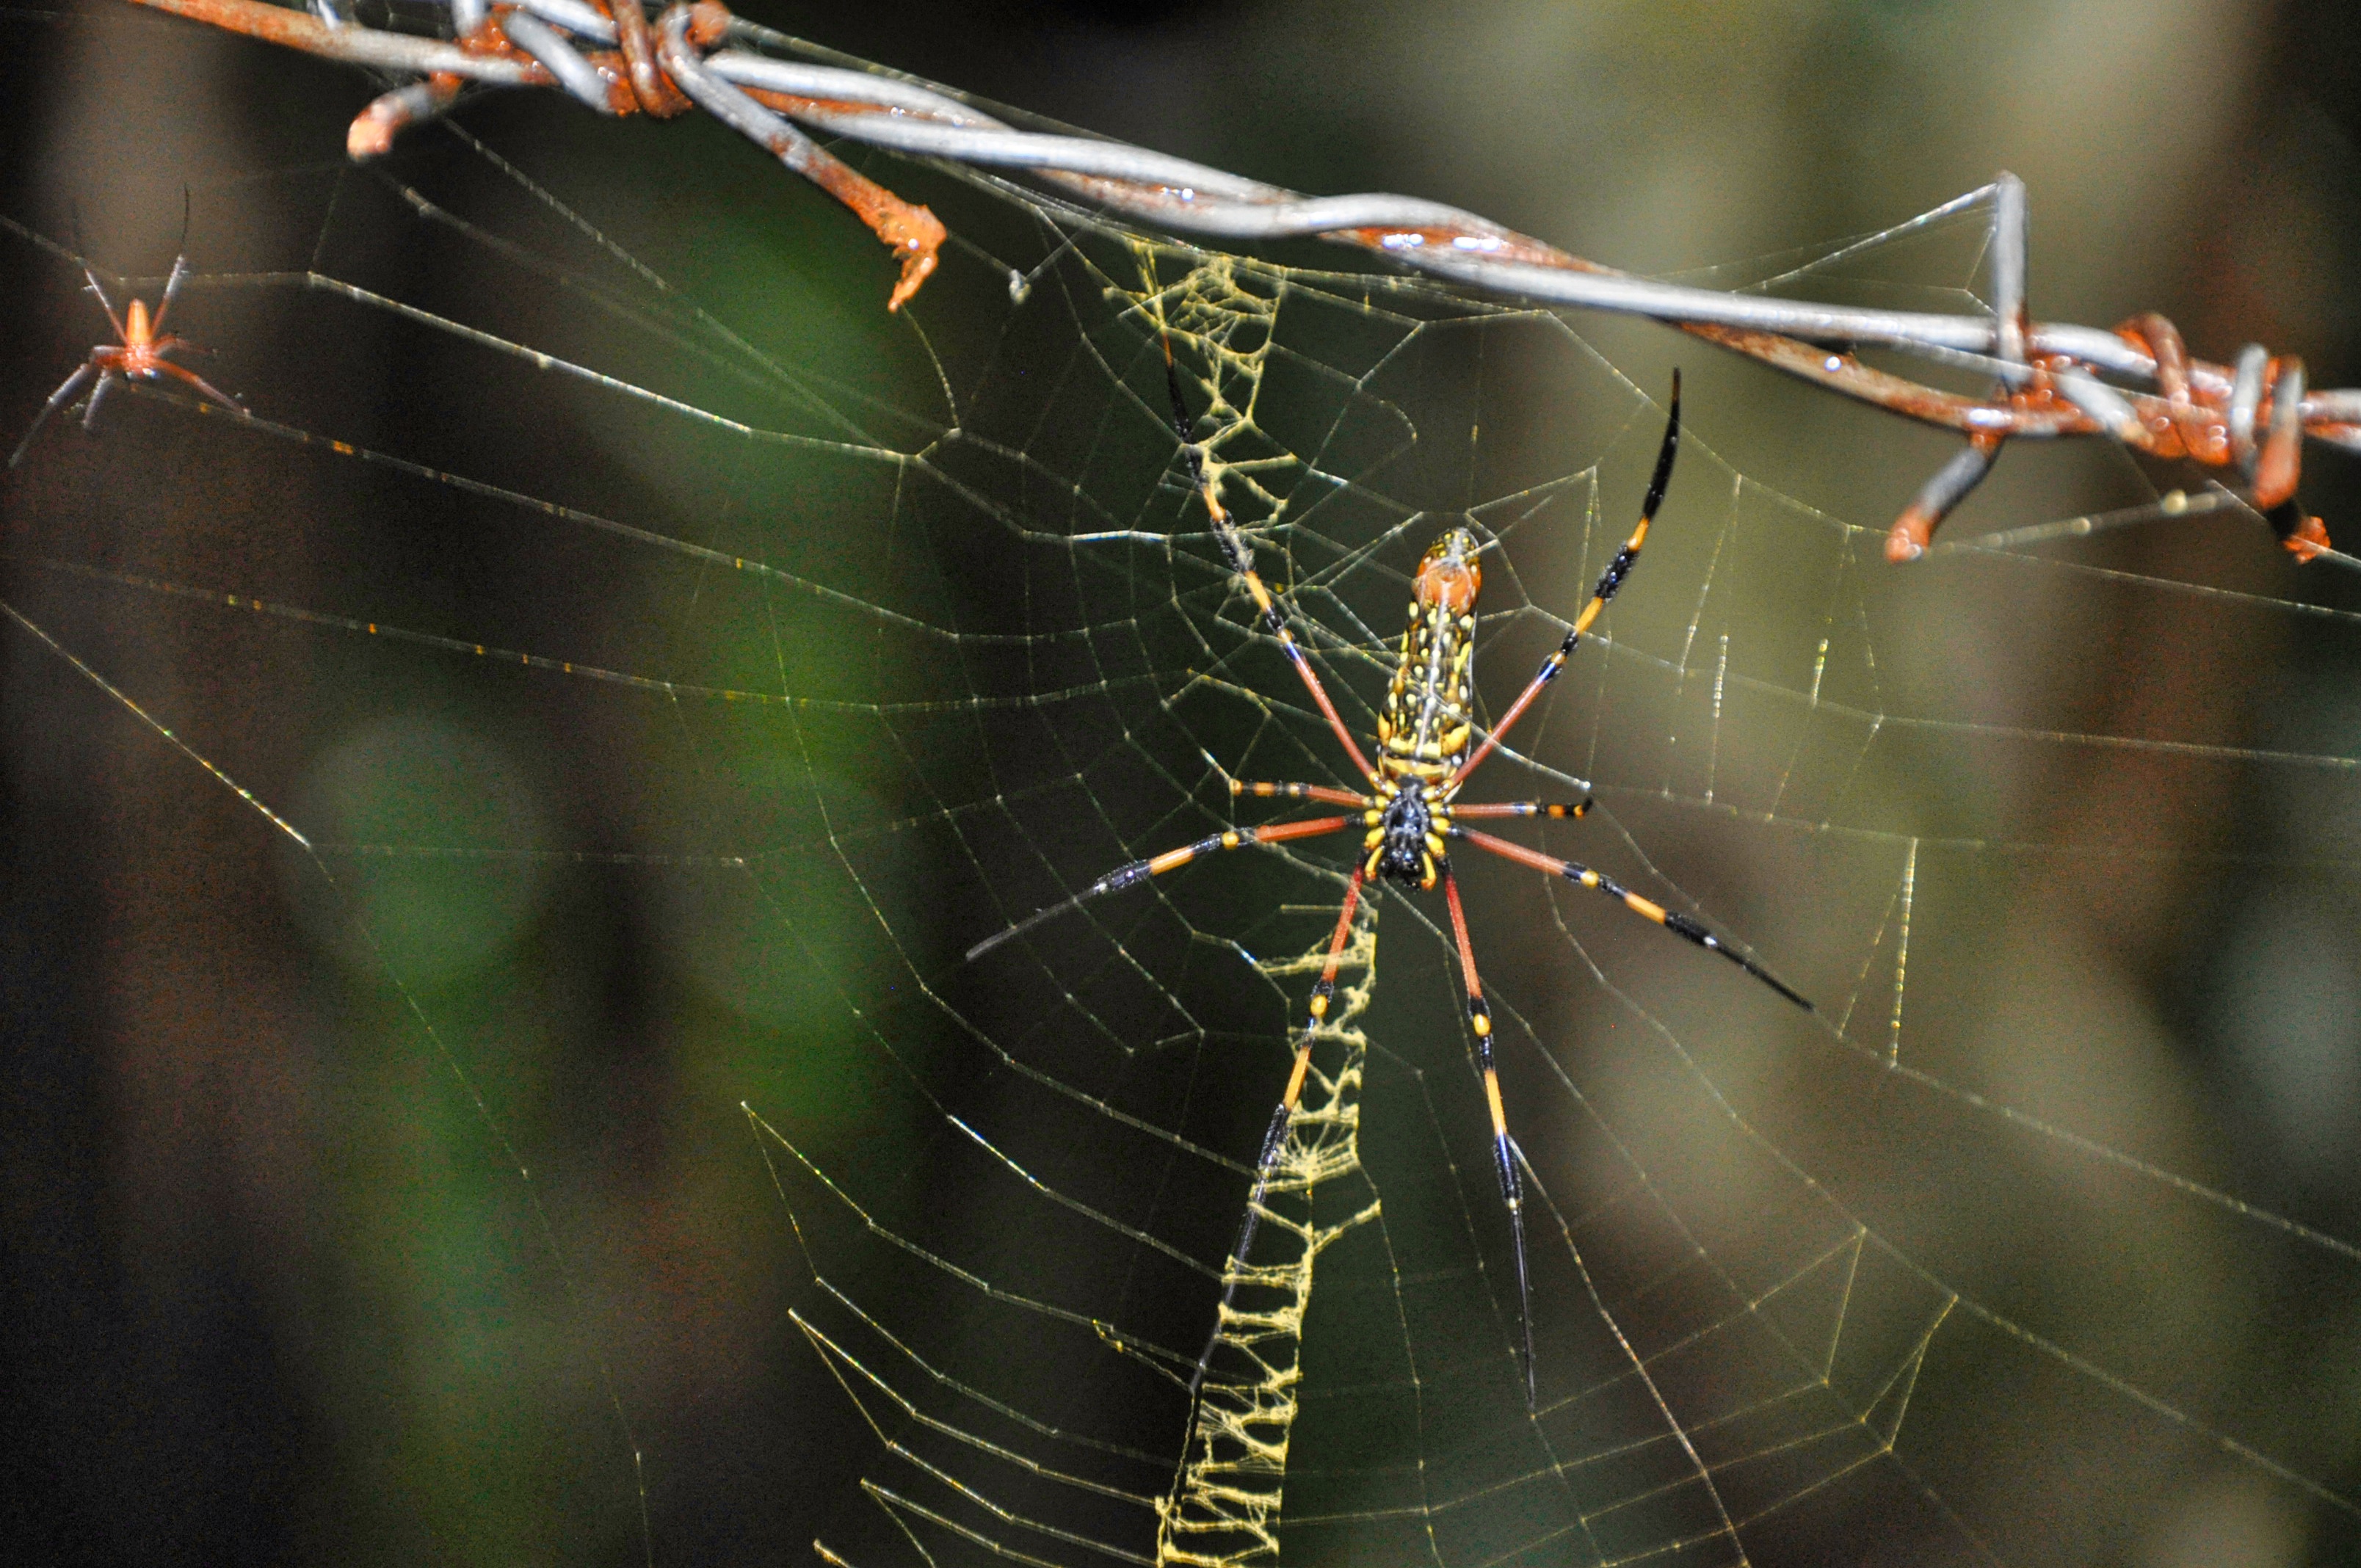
<point>2249,418</point>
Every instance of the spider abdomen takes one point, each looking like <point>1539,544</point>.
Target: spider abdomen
<point>1424,725</point>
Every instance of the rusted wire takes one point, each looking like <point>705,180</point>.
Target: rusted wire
<point>915,233</point>
<point>2046,376</point>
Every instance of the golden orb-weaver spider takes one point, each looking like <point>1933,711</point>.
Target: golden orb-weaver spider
<point>1412,810</point>
<point>137,354</point>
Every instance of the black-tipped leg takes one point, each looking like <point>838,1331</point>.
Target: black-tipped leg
<point>1504,1149</point>
<point>1139,871</point>
<point>1672,920</point>
<point>1609,582</point>
<point>1512,1193</point>
<point>1560,810</point>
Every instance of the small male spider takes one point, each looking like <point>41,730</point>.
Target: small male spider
<point>137,352</point>
<point>1410,810</point>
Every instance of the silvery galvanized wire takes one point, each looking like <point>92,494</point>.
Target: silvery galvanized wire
<point>1177,195</point>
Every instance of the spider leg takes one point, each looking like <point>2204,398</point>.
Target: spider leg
<point>172,291</point>
<point>1554,808</point>
<point>1325,794</point>
<point>1504,1153</point>
<point>1609,582</point>
<point>58,400</point>
<point>201,385</point>
<point>1672,920</point>
<point>1139,871</point>
<point>90,412</point>
<point>1274,1138</point>
<point>1273,617</point>
<point>113,317</point>
<point>164,346</point>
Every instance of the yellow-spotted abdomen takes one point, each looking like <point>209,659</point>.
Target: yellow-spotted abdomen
<point>1424,727</point>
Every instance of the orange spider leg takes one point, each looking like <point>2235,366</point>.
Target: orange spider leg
<point>1277,622</point>
<point>1504,1155</point>
<point>1139,871</point>
<point>1274,1138</point>
<point>1227,531</point>
<point>1325,794</point>
<point>201,384</point>
<point>1554,808</point>
<point>1672,920</point>
<point>1608,581</point>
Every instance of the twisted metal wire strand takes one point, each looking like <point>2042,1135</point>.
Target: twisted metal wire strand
<point>2251,418</point>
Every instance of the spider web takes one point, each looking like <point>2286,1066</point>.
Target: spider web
<point>619,601</point>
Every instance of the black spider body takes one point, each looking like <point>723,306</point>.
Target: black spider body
<point>1404,837</point>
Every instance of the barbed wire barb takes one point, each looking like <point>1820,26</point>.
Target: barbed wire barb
<point>2046,376</point>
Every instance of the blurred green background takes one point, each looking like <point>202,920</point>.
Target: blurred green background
<point>277,1291</point>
